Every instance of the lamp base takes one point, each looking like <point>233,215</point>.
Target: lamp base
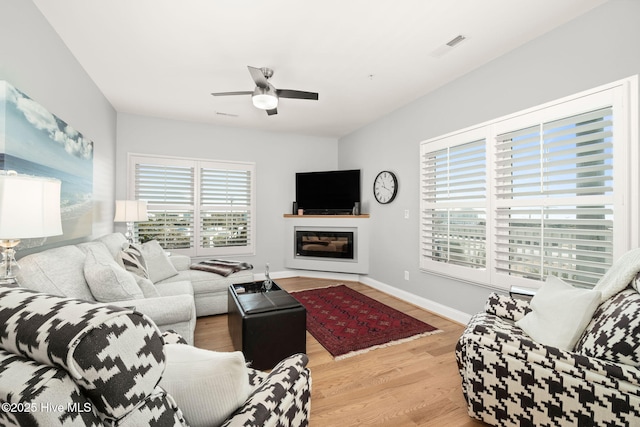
<point>129,234</point>
<point>9,264</point>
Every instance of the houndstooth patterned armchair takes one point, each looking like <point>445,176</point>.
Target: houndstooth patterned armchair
<point>510,380</point>
<point>68,362</point>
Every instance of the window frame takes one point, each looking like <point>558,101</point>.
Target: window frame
<point>196,249</point>
<point>623,96</point>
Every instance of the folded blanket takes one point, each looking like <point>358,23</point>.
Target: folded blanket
<point>221,266</point>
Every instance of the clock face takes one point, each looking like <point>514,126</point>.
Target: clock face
<point>385,187</point>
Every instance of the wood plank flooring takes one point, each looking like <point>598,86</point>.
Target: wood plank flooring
<point>410,384</point>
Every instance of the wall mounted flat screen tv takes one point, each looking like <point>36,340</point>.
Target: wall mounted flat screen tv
<point>328,192</point>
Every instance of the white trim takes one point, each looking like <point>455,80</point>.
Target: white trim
<point>424,303</point>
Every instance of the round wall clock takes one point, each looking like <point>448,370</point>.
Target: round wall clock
<point>385,187</point>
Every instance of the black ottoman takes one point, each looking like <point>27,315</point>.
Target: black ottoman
<point>265,326</point>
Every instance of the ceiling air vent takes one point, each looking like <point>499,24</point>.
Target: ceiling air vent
<point>456,40</point>
<point>446,48</point>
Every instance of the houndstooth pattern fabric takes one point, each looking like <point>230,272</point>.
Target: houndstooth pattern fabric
<point>510,380</point>
<point>158,409</point>
<point>172,337</point>
<point>256,377</point>
<point>614,331</point>
<point>506,307</point>
<point>114,355</point>
<point>288,381</point>
<point>40,395</point>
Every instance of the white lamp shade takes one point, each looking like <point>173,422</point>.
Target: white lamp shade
<point>131,211</point>
<point>29,207</point>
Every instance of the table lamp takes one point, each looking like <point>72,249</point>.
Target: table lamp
<point>131,211</point>
<point>29,208</point>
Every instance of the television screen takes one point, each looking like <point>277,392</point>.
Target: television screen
<point>330,192</point>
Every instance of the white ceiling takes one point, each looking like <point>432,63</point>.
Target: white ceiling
<point>366,58</point>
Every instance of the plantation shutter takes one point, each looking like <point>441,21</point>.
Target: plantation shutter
<point>169,192</point>
<point>554,199</point>
<point>454,181</point>
<point>226,196</point>
<point>196,207</point>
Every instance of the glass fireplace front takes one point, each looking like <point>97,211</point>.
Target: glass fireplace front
<point>325,244</point>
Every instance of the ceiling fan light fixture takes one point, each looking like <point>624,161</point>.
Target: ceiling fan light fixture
<point>264,98</point>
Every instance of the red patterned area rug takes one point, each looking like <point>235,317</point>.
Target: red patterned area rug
<point>347,323</point>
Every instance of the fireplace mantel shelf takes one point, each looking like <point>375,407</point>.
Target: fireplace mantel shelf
<point>326,216</point>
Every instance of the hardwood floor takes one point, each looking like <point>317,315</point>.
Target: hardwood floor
<point>410,384</point>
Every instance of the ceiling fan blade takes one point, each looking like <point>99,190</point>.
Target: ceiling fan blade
<point>272,112</point>
<point>258,76</point>
<point>296,94</point>
<point>244,92</point>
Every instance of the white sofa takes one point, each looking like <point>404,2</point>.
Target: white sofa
<point>172,298</point>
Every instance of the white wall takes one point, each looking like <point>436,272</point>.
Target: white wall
<point>36,61</point>
<point>277,156</point>
<point>596,48</point>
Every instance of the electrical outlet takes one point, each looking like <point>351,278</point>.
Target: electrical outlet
<point>406,275</point>
<point>406,214</point>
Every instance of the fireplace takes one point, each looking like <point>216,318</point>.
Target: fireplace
<point>334,243</point>
<point>325,243</point>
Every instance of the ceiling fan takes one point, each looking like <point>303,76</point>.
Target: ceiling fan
<point>265,96</point>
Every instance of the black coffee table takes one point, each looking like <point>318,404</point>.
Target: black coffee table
<point>265,326</point>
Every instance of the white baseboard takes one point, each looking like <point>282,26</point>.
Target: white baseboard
<point>432,306</point>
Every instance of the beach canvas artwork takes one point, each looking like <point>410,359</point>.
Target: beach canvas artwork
<point>35,142</point>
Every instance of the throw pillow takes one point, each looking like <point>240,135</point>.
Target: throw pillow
<point>618,276</point>
<point>130,257</point>
<point>148,289</point>
<point>559,313</point>
<point>614,332</point>
<point>158,264</point>
<point>107,280</point>
<point>208,386</point>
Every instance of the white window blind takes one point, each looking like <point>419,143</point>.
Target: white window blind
<point>542,192</point>
<point>225,207</point>
<point>454,204</point>
<point>169,193</point>
<point>196,207</point>
<point>568,164</point>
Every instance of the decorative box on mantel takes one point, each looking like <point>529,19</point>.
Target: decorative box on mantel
<point>337,243</point>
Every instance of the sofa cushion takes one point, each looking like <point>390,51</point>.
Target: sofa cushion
<point>559,313</point>
<point>614,332</point>
<point>113,241</point>
<point>57,271</point>
<point>108,281</point>
<point>158,264</point>
<point>148,289</point>
<point>130,257</point>
<point>204,282</point>
<point>182,287</point>
<point>208,386</point>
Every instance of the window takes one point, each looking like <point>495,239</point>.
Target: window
<point>196,207</point>
<point>537,193</point>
